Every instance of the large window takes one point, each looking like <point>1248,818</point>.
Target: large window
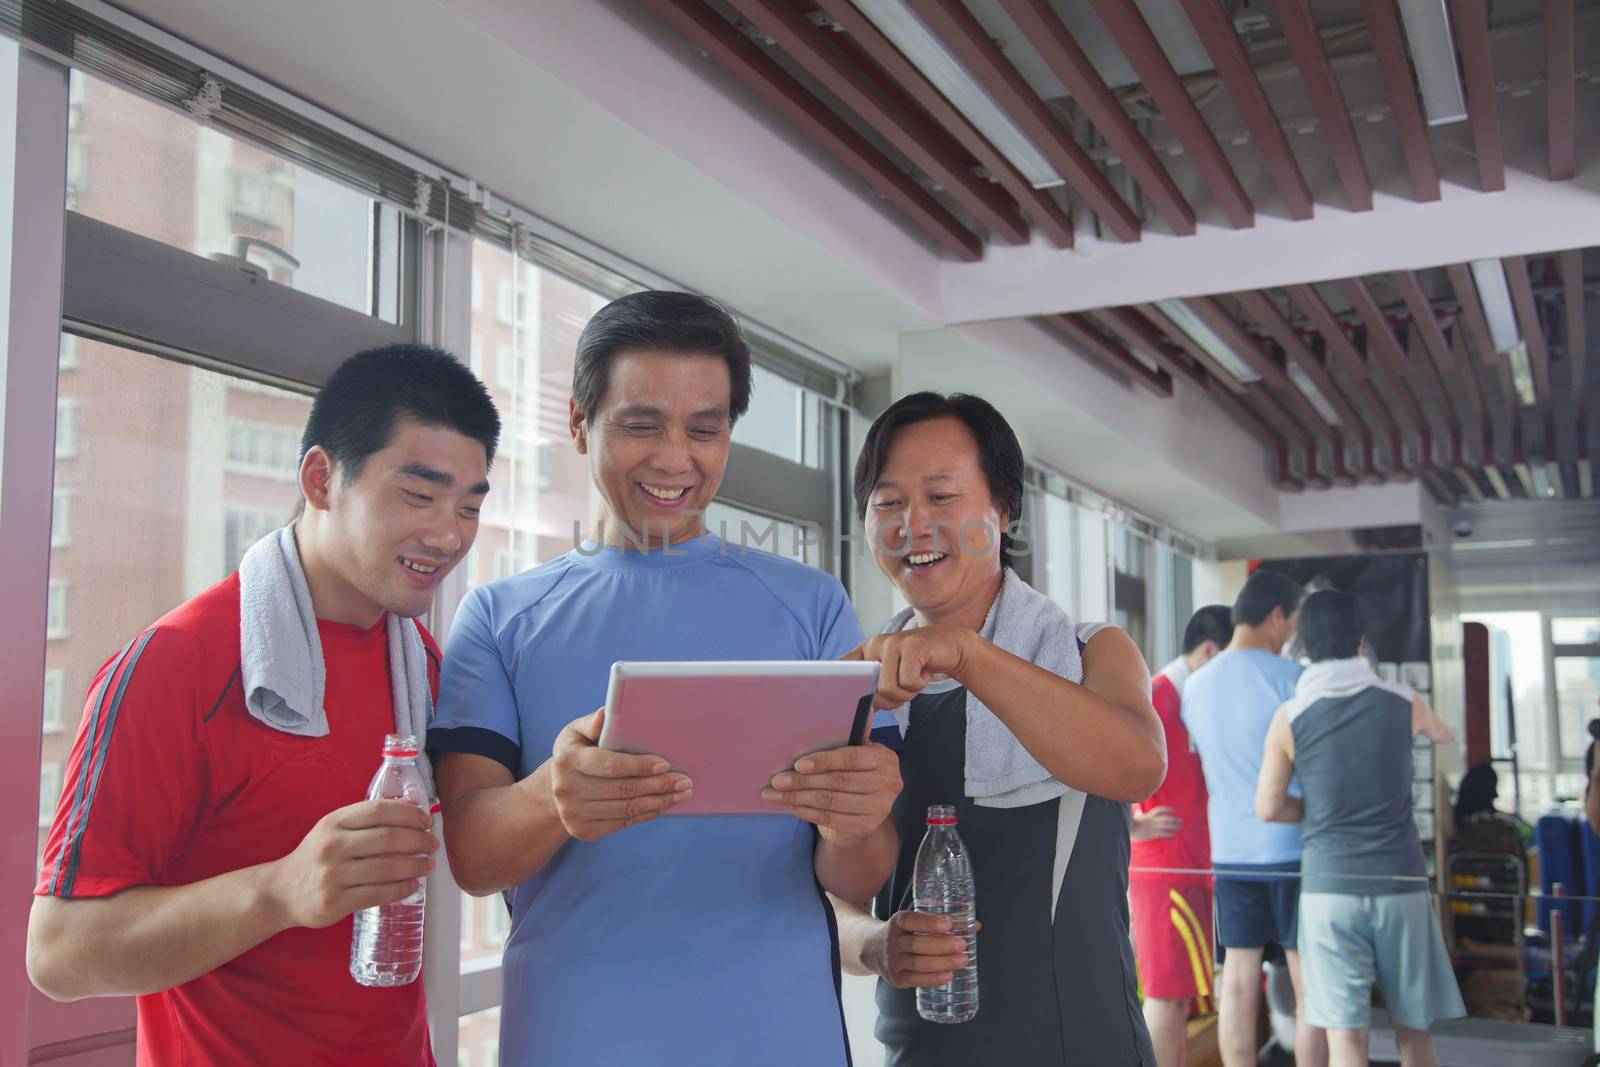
<point>157,173</point>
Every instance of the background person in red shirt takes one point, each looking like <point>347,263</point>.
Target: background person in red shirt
<point>208,863</point>
<point>1171,912</point>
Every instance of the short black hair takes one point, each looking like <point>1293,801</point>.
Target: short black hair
<point>1263,591</point>
<point>354,414</point>
<point>1214,622</point>
<point>1331,625</point>
<point>659,320</point>
<point>999,453</point>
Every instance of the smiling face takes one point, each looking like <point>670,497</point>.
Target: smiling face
<point>933,525</point>
<point>658,444</point>
<point>384,540</point>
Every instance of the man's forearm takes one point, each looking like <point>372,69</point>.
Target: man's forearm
<point>500,836</point>
<point>1287,809</point>
<point>148,938</point>
<point>858,870</point>
<point>857,936</point>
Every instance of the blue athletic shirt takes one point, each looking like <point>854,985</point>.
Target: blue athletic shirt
<point>704,939</point>
<point>1227,706</point>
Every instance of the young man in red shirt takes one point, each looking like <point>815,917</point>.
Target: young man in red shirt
<point>1171,911</point>
<point>209,863</point>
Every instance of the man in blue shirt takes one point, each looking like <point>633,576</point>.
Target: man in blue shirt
<point>1227,707</point>
<point>702,940</point>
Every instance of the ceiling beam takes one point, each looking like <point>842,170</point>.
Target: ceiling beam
<point>1532,324</point>
<point>1383,28</point>
<point>1137,333</point>
<point>1275,442</point>
<point>966,39</point>
<point>1266,316</point>
<point>1497,481</point>
<point>1577,326</point>
<point>1561,98</point>
<point>1477,74</point>
<point>1467,372</point>
<point>1465,479</point>
<point>1161,81</point>
<point>1211,25</point>
<point>1343,353</point>
<point>1466,291</point>
<point>1219,374</point>
<point>1299,28</point>
<point>1382,342</point>
<point>1423,363</point>
<point>1437,360</point>
<point>759,73</point>
<point>1088,340</point>
<point>1045,32</point>
<point>807,45</point>
<point>1306,419</point>
<point>1049,216</point>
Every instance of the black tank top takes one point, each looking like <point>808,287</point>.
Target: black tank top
<point>1050,993</point>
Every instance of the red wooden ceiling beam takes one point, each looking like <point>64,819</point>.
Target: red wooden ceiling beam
<point>1382,342</point>
<point>1048,215</point>
<point>1087,339</point>
<point>1438,357</point>
<point>1561,98</point>
<point>1137,333</point>
<point>1469,369</point>
<point>966,39</point>
<point>1149,60</point>
<point>1423,363</point>
<point>1211,25</point>
<point>1169,329</point>
<point>1299,28</point>
<point>1265,315</point>
<point>1043,29</point>
<point>1472,310</point>
<point>1532,325</point>
<point>712,34</point>
<point>1577,330</point>
<point>822,58</point>
<point>1383,26</point>
<point>1477,73</point>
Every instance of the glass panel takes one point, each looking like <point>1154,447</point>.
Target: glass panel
<point>1060,561</point>
<point>158,512</point>
<point>1577,701</point>
<point>784,419</point>
<point>740,527</point>
<point>1516,656</point>
<point>159,174</point>
<point>1575,631</point>
<point>1131,587</point>
<point>1094,578</point>
<point>9,54</point>
<point>478,1044</point>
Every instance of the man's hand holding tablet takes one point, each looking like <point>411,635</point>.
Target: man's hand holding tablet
<point>598,792</point>
<point>846,792</point>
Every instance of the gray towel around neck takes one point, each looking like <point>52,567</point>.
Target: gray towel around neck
<point>1000,773</point>
<point>281,651</point>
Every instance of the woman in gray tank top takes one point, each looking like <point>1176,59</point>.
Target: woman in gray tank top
<point>1038,731</point>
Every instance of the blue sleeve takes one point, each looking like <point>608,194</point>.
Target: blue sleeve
<point>839,631</point>
<point>477,707</point>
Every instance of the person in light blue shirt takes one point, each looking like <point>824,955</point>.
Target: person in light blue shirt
<point>697,940</point>
<point>1227,707</point>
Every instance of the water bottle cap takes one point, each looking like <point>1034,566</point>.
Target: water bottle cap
<point>942,815</point>
<point>400,746</point>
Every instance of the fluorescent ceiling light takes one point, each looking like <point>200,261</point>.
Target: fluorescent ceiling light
<point>1495,295</point>
<point>1202,335</point>
<point>1521,375</point>
<point>1489,546</point>
<point>1427,28</point>
<point>929,55</point>
<point>1302,381</point>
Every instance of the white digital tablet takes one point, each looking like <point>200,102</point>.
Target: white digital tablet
<point>730,726</point>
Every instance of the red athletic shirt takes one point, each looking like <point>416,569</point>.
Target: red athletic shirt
<point>171,781</point>
<point>1184,791</point>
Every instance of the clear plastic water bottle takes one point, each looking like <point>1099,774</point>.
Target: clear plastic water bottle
<point>386,948</point>
<point>942,885</point>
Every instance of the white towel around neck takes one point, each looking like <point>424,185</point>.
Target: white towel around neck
<point>280,651</point>
<point>999,772</point>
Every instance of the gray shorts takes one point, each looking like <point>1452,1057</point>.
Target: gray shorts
<point>1348,941</point>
